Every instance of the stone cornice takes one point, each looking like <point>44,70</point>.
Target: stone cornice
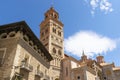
<point>24,28</point>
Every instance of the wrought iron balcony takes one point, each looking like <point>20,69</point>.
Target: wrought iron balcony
<point>39,73</point>
<point>46,77</point>
<point>26,66</point>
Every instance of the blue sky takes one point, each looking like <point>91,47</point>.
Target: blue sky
<point>97,20</point>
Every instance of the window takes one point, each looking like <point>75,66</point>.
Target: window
<point>104,78</point>
<point>46,44</point>
<point>46,31</point>
<point>78,77</point>
<point>51,36</point>
<point>54,30</point>
<point>42,34</point>
<point>55,16</point>
<point>59,33</point>
<point>2,55</point>
<point>46,16</point>
<point>59,52</point>
<point>47,37</point>
<point>54,50</point>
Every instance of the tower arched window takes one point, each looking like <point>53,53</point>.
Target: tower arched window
<point>46,16</point>
<point>54,30</point>
<point>59,52</point>
<point>55,16</point>
<point>59,33</point>
<point>54,50</point>
<point>46,31</point>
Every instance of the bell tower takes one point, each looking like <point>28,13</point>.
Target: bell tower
<point>100,59</point>
<point>83,57</point>
<point>51,35</point>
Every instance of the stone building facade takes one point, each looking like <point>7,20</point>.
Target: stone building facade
<point>22,55</point>
<point>88,69</point>
<point>25,56</point>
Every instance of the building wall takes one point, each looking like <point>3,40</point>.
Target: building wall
<point>66,69</point>
<point>108,72</point>
<point>74,65</point>
<point>23,57</point>
<point>8,45</point>
<point>20,55</point>
<point>117,74</point>
<point>78,74</point>
<point>90,76</point>
<point>83,73</point>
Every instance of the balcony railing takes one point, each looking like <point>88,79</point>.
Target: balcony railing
<point>39,73</point>
<point>26,66</point>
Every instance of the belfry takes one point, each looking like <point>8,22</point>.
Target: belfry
<point>51,35</point>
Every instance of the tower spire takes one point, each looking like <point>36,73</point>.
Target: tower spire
<point>83,53</point>
<point>83,57</point>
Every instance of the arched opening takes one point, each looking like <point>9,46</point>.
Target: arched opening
<point>59,52</point>
<point>12,34</point>
<point>4,35</point>
<point>54,50</point>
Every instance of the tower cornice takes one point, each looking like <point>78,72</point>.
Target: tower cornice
<point>43,23</point>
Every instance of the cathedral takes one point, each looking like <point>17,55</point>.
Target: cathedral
<point>88,69</point>
<point>25,57</point>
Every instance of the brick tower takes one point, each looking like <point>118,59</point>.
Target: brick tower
<point>51,35</point>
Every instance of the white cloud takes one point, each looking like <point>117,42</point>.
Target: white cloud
<point>94,3</point>
<point>90,42</point>
<point>106,6</point>
<point>103,5</point>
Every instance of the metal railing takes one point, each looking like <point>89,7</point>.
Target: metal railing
<point>39,73</point>
<point>26,66</point>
